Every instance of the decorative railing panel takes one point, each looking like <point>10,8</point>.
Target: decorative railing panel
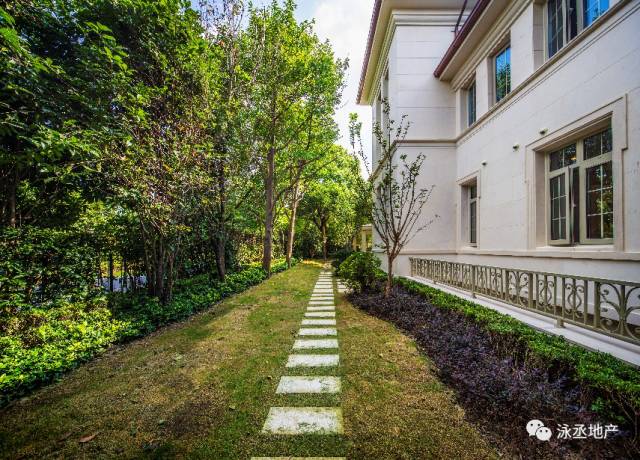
<point>606,306</point>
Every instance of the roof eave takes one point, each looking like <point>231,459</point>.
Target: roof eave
<point>367,55</point>
<point>462,34</point>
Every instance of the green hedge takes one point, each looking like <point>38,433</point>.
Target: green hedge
<point>39,345</point>
<point>617,383</point>
<point>360,271</point>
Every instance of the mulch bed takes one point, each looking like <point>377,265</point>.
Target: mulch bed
<point>499,388</point>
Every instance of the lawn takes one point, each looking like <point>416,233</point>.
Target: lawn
<point>202,389</point>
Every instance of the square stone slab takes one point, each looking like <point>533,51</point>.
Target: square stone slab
<point>305,384</point>
<point>318,330</point>
<point>320,314</point>
<point>313,361</point>
<point>304,420</point>
<point>322,298</point>
<point>311,344</point>
<point>322,303</point>
<point>318,322</point>
<point>321,308</point>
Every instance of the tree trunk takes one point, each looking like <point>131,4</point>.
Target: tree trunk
<point>221,263</point>
<point>123,276</point>
<point>325,252</point>
<point>167,292</point>
<point>220,257</point>
<point>100,278</point>
<point>12,199</point>
<point>110,272</point>
<point>268,214</point>
<point>292,224</point>
<point>389,285</point>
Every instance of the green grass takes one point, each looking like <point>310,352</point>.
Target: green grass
<point>202,389</point>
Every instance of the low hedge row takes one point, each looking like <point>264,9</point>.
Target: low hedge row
<point>616,384</point>
<point>39,345</point>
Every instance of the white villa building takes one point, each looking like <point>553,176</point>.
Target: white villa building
<point>528,113</point>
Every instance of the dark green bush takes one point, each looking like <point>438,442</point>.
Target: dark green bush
<point>39,344</point>
<point>42,264</point>
<point>616,381</point>
<point>360,270</point>
<point>340,256</point>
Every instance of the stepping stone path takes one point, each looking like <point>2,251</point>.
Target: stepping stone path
<point>314,335</point>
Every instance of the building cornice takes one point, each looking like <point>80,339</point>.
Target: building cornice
<point>385,18</point>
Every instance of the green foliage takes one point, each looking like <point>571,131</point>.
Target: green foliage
<point>39,345</point>
<point>340,256</point>
<point>330,201</point>
<point>360,271</point>
<point>618,382</point>
<point>38,265</point>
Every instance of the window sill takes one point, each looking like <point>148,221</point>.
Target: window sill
<point>606,248</point>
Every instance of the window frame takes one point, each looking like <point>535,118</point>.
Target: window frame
<point>464,184</point>
<point>566,32</point>
<point>472,201</point>
<point>583,12</point>
<point>564,21</point>
<point>494,60</point>
<point>472,90</point>
<point>581,165</point>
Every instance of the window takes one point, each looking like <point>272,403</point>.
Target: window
<point>471,104</point>
<point>473,213</point>
<point>503,73</point>
<point>565,18</point>
<point>593,9</point>
<point>580,191</point>
<point>555,29</point>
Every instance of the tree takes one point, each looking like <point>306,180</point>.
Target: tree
<point>297,80</point>
<point>227,161</point>
<point>304,164</point>
<point>159,171</point>
<point>398,200</point>
<point>330,200</point>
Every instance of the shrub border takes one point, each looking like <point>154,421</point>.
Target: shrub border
<point>26,384</point>
<point>616,384</point>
